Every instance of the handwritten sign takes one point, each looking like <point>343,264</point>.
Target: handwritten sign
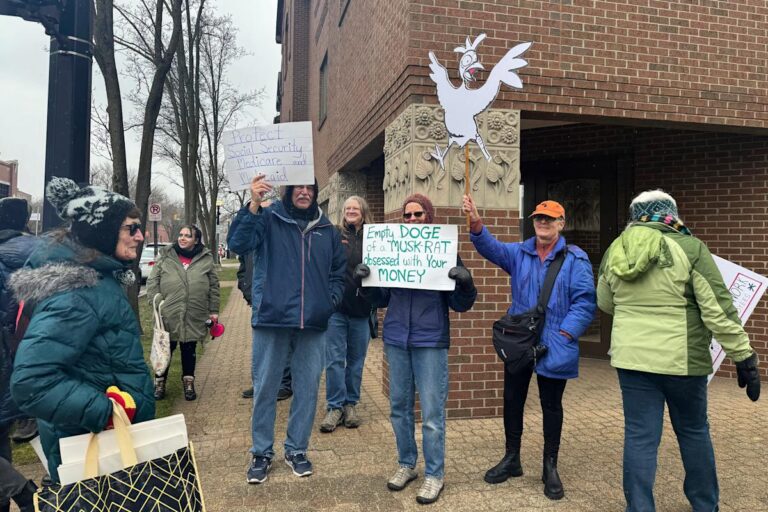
<point>746,288</point>
<point>410,255</point>
<point>282,152</point>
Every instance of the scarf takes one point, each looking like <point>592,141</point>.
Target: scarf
<point>669,220</point>
<point>188,253</point>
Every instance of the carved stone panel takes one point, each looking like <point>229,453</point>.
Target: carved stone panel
<point>409,165</point>
<point>340,186</point>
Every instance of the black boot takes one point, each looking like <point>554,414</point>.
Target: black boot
<point>553,487</point>
<point>159,388</point>
<point>189,388</point>
<point>508,467</point>
<point>24,500</point>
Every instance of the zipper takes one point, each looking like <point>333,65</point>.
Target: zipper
<point>301,321</point>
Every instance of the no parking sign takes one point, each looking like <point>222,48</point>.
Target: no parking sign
<point>155,213</point>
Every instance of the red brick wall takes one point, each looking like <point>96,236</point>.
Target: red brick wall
<point>685,61</point>
<point>720,183</point>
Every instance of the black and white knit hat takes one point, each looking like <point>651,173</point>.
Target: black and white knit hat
<point>652,202</point>
<point>96,213</point>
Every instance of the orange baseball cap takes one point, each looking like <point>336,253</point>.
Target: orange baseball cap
<point>549,208</point>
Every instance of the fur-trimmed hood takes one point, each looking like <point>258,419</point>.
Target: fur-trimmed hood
<point>34,285</point>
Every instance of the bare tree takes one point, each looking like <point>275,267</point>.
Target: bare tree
<point>147,33</point>
<point>221,106</point>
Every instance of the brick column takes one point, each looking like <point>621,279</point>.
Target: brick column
<point>476,375</point>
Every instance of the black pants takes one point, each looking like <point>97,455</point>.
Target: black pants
<point>11,481</point>
<point>188,358</point>
<point>551,395</point>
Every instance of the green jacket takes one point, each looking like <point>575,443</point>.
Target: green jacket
<point>190,296</point>
<point>82,338</point>
<point>668,300</point>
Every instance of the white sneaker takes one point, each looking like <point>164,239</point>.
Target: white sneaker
<point>430,490</point>
<point>402,477</point>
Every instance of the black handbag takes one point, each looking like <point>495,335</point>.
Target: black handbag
<point>514,336</point>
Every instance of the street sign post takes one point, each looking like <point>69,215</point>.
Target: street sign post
<point>155,215</point>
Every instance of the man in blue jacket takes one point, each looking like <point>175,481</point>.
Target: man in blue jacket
<point>303,283</point>
<point>569,312</point>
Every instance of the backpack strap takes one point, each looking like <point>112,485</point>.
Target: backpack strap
<point>549,280</point>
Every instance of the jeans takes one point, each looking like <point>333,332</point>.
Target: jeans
<point>11,481</point>
<point>424,370</point>
<point>346,345</point>
<point>551,398</point>
<point>644,395</point>
<point>275,348</point>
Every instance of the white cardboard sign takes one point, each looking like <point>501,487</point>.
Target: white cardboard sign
<point>410,255</point>
<point>746,289</point>
<point>282,152</point>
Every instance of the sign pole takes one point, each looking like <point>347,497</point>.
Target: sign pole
<point>154,235</point>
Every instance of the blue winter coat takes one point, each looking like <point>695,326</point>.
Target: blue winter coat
<point>571,306</point>
<point>303,271</point>
<point>14,251</point>
<point>82,338</point>
<point>419,318</point>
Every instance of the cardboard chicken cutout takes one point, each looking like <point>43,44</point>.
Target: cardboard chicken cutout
<point>462,104</point>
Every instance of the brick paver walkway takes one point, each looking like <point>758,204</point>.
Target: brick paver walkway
<point>352,466</point>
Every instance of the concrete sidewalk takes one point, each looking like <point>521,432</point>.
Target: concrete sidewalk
<point>352,466</point>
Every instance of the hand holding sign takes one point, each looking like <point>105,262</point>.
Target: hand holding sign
<point>259,187</point>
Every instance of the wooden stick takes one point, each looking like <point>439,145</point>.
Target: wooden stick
<point>466,175</point>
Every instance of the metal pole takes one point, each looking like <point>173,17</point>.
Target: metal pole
<point>154,235</point>
<point>67,149</point>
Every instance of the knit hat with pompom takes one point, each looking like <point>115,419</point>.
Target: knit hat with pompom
<point>96,213</point>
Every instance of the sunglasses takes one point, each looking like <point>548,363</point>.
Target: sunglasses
<point>418,215</point>
<point>133,228</point>
<point>544,218</point>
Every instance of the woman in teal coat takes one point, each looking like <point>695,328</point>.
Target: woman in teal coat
<point>83,336</point>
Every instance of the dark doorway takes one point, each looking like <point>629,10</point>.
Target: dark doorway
<point>592,191</point>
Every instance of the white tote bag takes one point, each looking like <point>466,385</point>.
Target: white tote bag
<point>160,355</point>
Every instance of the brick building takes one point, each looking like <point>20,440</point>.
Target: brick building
<point>9,177</point>
<point>619,97</point>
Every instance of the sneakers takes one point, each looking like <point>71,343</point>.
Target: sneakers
<point>189,388</point>
<point>299,463</point>
<point>159,388</point>
<point>351,419</point>
<point>402,477</point>
<point>333,418</point>
<point>257,471</point>
<point>247,393</point>
<point>430,490</point>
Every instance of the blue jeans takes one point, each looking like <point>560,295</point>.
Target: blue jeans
<point>274,348</point>
<point>424,370</point>
<point>345,347</point>
<point>644,395</point>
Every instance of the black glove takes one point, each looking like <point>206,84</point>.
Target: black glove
<point>361,271</point>
<point>462,277</point>
<point>748,377</point>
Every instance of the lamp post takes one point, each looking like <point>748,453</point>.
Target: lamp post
<point>67,149</point>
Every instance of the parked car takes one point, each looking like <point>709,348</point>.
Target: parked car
<point>147,261</point>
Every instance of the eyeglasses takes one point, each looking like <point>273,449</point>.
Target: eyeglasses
<point>418,215</point>
<point>133,228</point>
<point>545,218</point>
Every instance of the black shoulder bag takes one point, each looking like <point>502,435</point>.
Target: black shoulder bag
<point>514,336</point>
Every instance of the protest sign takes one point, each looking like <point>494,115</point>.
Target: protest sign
<point>410,255</point>
<point>281,152</point>
<point>746,288</point>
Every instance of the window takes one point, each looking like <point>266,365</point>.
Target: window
<point>323,90</point>
<point>5,190</point>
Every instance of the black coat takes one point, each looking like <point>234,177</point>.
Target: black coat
<point>353,304</point>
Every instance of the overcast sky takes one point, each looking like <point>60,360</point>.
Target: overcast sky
<point>24,85</point>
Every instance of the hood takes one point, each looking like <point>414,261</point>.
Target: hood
<point>636,250</point>
<point>34,285</point>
